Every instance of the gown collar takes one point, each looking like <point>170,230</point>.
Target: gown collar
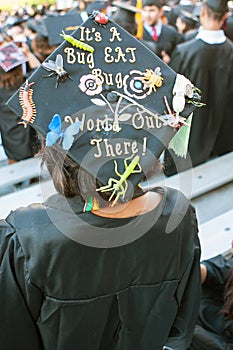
<point>211,36</point>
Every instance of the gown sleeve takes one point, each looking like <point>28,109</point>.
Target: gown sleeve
<point>188,297</point>
<point>176,60</point>
<point>19,300</point>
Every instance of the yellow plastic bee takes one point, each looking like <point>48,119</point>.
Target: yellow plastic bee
<point>152,79</point>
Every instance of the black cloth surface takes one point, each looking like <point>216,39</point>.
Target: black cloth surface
<point>19,143</point>
<point>213,331</point>
<point>168,39</point>
<point>210,68</point>
<point>58,294</point>
<point>228,29</point>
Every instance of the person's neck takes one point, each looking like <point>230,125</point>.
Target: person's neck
<point>135,207</point>
<point>212,26</point>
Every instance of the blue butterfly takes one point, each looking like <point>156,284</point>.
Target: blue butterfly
<point>56,132</point>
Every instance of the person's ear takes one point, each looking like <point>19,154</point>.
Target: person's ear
<point>161,12</point>
<point>203,12</point>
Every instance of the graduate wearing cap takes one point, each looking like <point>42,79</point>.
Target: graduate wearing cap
<point>104,263</point>
<point>187,25</point>
<point>159,37</point>
<point>125,16</point>
<point>208,61</point>
<point>191,6</point>
<point>17,142</point>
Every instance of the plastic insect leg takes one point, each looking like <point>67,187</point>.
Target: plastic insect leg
<point>108,186</point>
<point>120,193</point>
<point>57,81</point>
<point>48,76</point>
<point>116,170</point>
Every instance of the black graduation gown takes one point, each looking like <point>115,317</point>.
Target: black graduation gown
<point>168,39</point>
<point>210,68</point>
<point>19,143</point>
<point>213,331</point>
<point>58,294</point>
<point>228,27</point>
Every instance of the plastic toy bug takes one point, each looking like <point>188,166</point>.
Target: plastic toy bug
<point>56,67</point>
<point>121,185</point>
<point>152,79</point>
<point>28,106</point>
<point>56,133</point>
<point>99,18</point>
<point>77,43</point>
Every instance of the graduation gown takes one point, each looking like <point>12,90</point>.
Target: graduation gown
<point>19,143</point>
<point>210,68</point>
<point>57,293</point>
<point>168,39</point>
<point>213,331</point>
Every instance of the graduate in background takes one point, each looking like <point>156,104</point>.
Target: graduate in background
<point>208,61</point>
<point>19,143</point>
<point>214,330</point>
<point>159,37</point>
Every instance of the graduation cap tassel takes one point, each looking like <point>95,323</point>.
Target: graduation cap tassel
<point>139,20</point>
<point>179,142</point>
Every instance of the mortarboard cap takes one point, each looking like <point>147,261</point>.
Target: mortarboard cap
<point>56,24</point>
<point>217,5</point>
<point>157,3</point>
<point>11,56</point>
<point>104,98</point>
<point>38,26</point>
<point>97,5</point>
<point>125,16</point>
<point>188,18</point>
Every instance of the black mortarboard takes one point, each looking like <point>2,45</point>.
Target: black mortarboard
<point>56,24</point>
<point>97,5</point>
<point>11,56</point>
<point>112,107</point>
<point>188,18</point>
<point>157,3</point>
<point>38,26</point>
<point>217,5</point>
<point>125,16</point>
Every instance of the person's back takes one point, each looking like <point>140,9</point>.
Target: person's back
<point>93,297</point>
<point>208,61</point>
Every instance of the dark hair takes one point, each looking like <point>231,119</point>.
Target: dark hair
<point>215,15</point>
<point>228,296</point>
<point>157,3</point>
<point>69,178</point>
<point>12,79</point>
<point>41,47</point>
<point>126,20</point>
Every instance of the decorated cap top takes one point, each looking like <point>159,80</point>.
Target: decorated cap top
<point>11,56</point>
<point>108,101</point>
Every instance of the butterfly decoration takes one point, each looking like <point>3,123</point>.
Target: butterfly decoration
<point>56,133</point>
